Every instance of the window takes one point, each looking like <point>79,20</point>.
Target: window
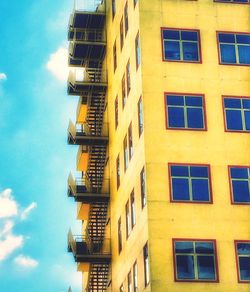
<point>132,203</point>
<point>195,260</point>
<point>119,235</point>
<point>143,188</point>
<point>128,222</point>
<point>240,184</point>
<point>185,111</point>
<point>123,91</point>
<point>126,17</point>
<point>232,1</point>
<point>237,113</point>
<point>118,172</point>
<point>116,112</point>
<point>135,2</point>
<point>122,288</point>
<point>234,48</point>
<point>114,56</point>
<point>130,141</point>
<point>135,276</point>
<point>146,264</point>
<point>121,34</point>
<point>125,152</point>
<point>128,77</point>
<point>190,183</point>
<point>129,282</point>
<point>137,51</point>
<point>140,116</point>
<point>113,8</point>
<point>181,45</point>
<point>242,249</point>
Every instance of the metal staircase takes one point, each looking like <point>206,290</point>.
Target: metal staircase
<point>87,50</point>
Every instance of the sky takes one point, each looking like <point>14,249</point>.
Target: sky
<point>35,160</point>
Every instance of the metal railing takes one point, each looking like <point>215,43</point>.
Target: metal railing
<point>89,5</point>
<point>94,246</point>
<point>78,183</point>
<point>88,35</point>
<point>83,129</point>
<point>87,75</point>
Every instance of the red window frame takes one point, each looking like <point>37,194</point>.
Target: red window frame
<point>230,184</point>
<point>236,260</point>
<point>215,256</point>
<point>224,114</point>
<point>180,61</point>
<point>185,94</point>
<point>189,202</point>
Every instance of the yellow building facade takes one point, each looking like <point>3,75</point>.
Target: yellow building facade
<point>163,126</point>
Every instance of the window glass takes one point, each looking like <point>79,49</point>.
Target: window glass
<point>181,45</point>
<point>140,116</point>
<point>237,114</point>
<point>143,188</point>
<point>185,112</point>
<point>234,48</point>
<point>116,112</point>
<point>119,235</point>
<point>243,260</point>
<point>118,172</point>
<point>126,17</point>
<point>195,260</point>
<point>190,183</point>
<point>146,264</point>
<point>232,1</point>
<point>121,34</point>
<point>240,184</point>
<point>125,152</point>
<point>137,51</point>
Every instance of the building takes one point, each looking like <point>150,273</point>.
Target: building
<point>163,128</point>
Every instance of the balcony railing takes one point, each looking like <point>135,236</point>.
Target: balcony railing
<point>89,5</point>
<point>88,75</point>
<point>87,35</point>
<point>84,191</point>
<point>86,249</point>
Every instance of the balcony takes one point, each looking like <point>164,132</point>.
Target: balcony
<point>83,134</point>
<point>82,190</point>
<point>87,250</point>
<point>81,82</point>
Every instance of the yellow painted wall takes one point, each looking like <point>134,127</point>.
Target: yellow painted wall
<point>221,220</point>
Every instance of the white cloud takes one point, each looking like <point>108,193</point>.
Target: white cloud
<point>24,215</point>
<point>8,206</point>
<point>26,261</point>
<point>68,275</point>
<point>9,244</point>
<point>7,228</point>
<point>58,64</point>
<point>3,76</point>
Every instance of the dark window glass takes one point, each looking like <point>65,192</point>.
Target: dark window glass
<point>185,112</point>
<point>128,222</point>
<point>190,183</point>
<point>125,152</point>
<point>143,188</point>
<point>240,184</point>
<point>130,141</point>
<point>237,114</point>
<point>119,235</point>
<point>233,1</point>
<point>243,260</point>
<point>126,17</point>
<point>140,116</point>
<point>133,211</point>
<point>181,45</point>
<point>195,260</point>
<point>118,172</point>
<point>129,282</point>
<point>135,276</point>
<point>114,56</point>
<point>137,51</point>
<point>146,264</point>
<point>113,8</point>
<point>121,34</point>
<point>124,94</point>
<point>234,48</point>
<point>128,77</point>
<point>116,112</point>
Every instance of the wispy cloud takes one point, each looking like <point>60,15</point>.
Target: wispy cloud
<point>24,215</point>
<point>9,210</point>
<point>26,261</point>
<point>58,64</point>
<point>8,206</point>
<point>3,76</point>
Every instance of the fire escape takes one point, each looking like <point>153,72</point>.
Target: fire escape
<point>87,50</point>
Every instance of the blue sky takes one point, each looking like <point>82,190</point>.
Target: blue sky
<point>35,213</point>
